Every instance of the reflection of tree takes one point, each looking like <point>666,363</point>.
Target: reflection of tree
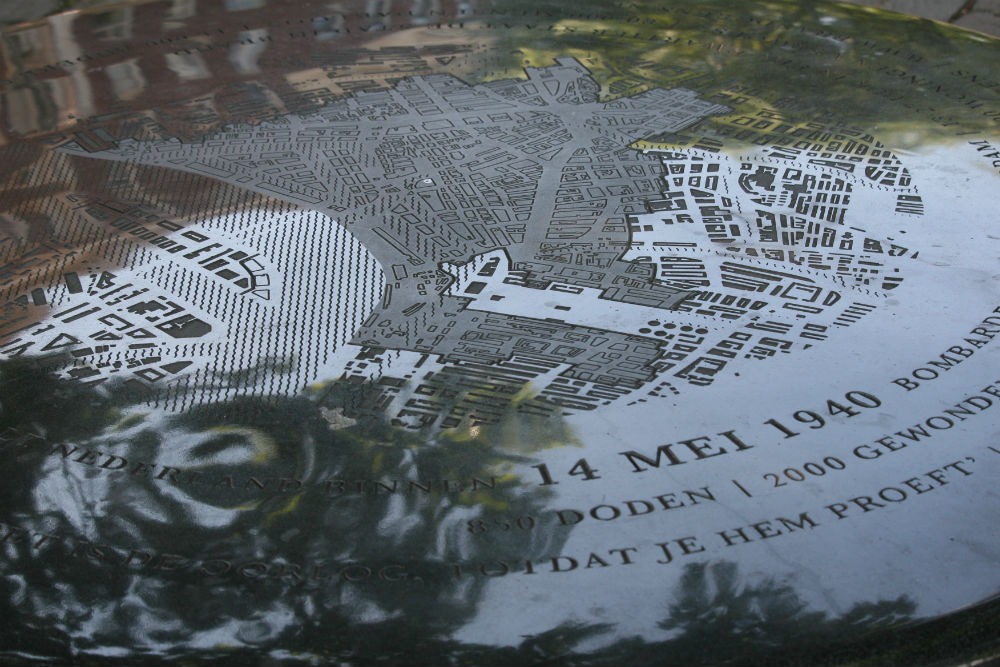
<point>713,606</point>
<point>721,618</point>
<point>74,597</point>
<point>810,59</point>
<point>64,596</point>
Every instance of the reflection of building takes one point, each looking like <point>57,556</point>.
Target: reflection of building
<point>46,102</point>
<point>179,68</point>
<point>426,169</point>
<point>147,57</point>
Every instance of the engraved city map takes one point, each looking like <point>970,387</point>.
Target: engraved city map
<point>492,332</point>
<point>523,249</point>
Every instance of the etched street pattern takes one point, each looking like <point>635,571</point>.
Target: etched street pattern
<point>533,257</point>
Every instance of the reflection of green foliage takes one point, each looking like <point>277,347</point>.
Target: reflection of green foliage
<point>515,431</point>
<point>852,66</point>
<point>70,608</point>
<point>82,602</point>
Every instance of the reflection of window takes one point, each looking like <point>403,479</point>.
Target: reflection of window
<point>127,80</point>
<point>181,9</point>
<point>63,95</point>
<point>423,11</point>
<point>237,5</point>
<point>187,66</point>
<point>328,27</point>
<point>32,47</point>
<point>243,55</point>
<point>377,12</point>
<point>115,24</point>
<point>23,44</point>
<point>23,112</point>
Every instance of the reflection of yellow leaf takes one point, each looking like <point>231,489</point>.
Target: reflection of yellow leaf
<point>263,445</point>
<point>245,507</point>
<point>526,392</point>
<point>485,500</point>
<point>465,431</point>
<point>504,473</point>
<point>336,419</point>
<point>130,421</point>
<point>289,507</point>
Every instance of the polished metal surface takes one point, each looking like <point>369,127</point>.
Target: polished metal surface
<point>498,333</point>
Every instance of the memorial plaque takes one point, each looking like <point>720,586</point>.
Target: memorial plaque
<point>439,332</point>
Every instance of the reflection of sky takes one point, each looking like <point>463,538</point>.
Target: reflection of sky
<point>126,78</point>
<point>310,263</point>
<point>238,5</point>
<point>932,548</point>
<point>187,66</point>
<point>939,548</point>
<point>243,55</point>
<point>868,557</point>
